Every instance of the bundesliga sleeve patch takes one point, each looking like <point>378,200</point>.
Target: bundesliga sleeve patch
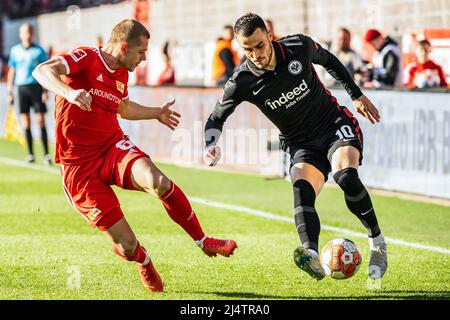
<point>77,54</point>
<point>120,86</point>
<point>94,213</point>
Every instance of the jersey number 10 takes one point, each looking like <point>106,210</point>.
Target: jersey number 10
<point>345,132</point>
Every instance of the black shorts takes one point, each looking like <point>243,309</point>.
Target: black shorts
<point>31,96</point>
<point>319,150</point>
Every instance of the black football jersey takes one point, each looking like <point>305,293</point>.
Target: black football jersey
<point>292,96</point>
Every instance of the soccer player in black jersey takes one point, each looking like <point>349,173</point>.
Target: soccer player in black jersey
<point>320,135</point>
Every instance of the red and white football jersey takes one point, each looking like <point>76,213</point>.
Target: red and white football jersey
<point>85,135</point>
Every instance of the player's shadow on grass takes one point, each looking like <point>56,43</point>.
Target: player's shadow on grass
<point>416,294</point>
<point>247,295</point>
<point>382,294</point>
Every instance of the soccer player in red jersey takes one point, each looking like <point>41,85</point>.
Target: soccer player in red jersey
<point>94,153</point>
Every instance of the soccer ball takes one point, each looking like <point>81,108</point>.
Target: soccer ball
<point>340,258</point>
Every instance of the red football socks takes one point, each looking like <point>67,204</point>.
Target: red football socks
<point>180,210</point>
<point>138,256</point>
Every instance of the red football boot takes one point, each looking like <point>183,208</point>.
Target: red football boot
<point>150,277</point>
<point>211,247</point>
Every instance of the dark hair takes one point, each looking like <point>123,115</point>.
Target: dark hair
<point>345,30</point>
<point>424,44</point>
<point>248,23</point>
<point>129,31</point>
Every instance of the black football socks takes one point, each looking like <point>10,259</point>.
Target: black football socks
<point>29,139</point>
<point>44,139</point>
<point>358,199</point>
<point>306,218</point>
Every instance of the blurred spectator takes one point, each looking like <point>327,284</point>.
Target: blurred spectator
<point>386,60</point>
<point>225,57</point>
<point>23,58</point>
<point>424,73</point>
<point>349,58</point>
<point>2,68</point>
<point>15,9</point>
<point>50,51</point>
<point>269,26</point>
<point>99,41</point>
<point>168,75</point>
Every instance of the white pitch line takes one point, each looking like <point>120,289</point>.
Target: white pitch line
<point>254,212</point>
<point>23,164</point>
<point>274,216</point>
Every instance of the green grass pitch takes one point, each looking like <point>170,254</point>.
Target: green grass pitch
<point>44,242</point>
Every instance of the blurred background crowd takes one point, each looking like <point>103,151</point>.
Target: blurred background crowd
<point>14,9</point>
<point>397,50</point>
<point>402,44</point>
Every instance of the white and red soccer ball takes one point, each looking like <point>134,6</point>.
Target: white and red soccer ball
<point>340,258</point>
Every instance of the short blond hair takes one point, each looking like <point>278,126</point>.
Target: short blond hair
<point>130,31</point>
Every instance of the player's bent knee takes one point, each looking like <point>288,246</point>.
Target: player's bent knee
<point>159,184</point>
<point>347,179</point>
<point>309,174</point>
<point>155,182</point>
<point>345,157</point>
<point>164,185</point>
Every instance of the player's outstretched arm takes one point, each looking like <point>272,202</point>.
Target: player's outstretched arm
<point>213,131</point>
<point>48,75</point>
<point>131,110</point>
<point>334,67</point>
<point>214,124</point>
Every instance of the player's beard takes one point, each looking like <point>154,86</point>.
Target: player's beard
<point>131,67</point>
<point>269,57</point>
